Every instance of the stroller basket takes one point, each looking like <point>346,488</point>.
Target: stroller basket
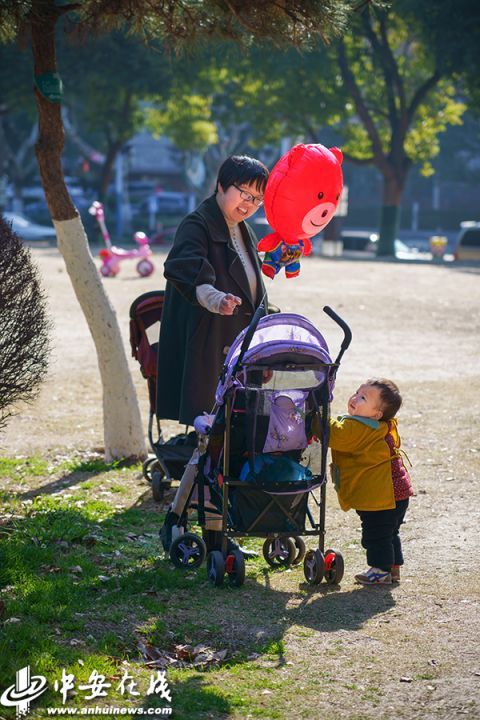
<point>256,510</point>
<point>176,452</point>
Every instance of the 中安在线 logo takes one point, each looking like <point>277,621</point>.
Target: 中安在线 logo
<point>26,689</point>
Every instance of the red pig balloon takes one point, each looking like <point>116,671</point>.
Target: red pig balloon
<point>302,194</point>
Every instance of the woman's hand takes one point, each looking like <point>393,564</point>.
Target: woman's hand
<point>228,304</point>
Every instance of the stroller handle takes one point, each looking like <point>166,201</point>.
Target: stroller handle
<point>259,313</point>
<point>347,333</point>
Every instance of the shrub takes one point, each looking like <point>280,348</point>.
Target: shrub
<point>24,325</point>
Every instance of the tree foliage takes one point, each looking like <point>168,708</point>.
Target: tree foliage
<point>379,88</point>
<point>231,100</point>
<point>17,117</point>
<point>451,29</point>
<point>106,80</point>
<point>24,325</point>
<point>398,94</point>
<point>400,101</point>
<point>294,21</point>
<point>184,21</point>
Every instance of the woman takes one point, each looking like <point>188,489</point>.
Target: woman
<point>214,285</point>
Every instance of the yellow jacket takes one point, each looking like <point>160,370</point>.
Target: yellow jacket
<point>361,462</point>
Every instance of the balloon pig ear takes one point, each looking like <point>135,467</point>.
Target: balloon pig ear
<point>338,154</point>
<point>295,153</point>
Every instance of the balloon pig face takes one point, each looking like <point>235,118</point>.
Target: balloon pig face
<point>303,191</point>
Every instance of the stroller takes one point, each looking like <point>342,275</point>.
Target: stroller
<point>254,477</point>
<point>170,456</point>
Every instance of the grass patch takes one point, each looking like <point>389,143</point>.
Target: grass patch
<point>276,648</point>
<point>23,467</point>
<point>85,589</point>
<point>97,465</point>
<point>83,585</point>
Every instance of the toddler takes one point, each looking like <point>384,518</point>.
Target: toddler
<point>370,477</point>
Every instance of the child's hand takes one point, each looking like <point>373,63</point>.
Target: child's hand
<point>228,304</point>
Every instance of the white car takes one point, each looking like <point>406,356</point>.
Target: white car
<point>27,229</point>
<point>366,241</point>
<point>402,251</point>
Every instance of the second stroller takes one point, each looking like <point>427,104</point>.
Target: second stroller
<point>171,456</point>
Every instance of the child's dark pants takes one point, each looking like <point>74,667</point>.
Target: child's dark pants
<point>380,535</point>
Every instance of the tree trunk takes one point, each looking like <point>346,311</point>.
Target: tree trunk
<point>389,217</point>
<point>123,433</point>
<point>122,425</point>
<point>107,169</point>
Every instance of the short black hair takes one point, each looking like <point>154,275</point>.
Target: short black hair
<point>389,396</point>
<point>241,169</point>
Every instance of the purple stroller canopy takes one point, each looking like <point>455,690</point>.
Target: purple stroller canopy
<point>275,335</point>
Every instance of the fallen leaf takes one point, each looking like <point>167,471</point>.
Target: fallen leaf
<point>153,657</point>
<point>200,648</point>
<point>220,655</point>
<point>184,652</point>
<point>185,655</point>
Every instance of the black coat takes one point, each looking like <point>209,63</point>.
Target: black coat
<point>193,341</point>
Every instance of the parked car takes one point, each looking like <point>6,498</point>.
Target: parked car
<point>366,241</point>
<point>358,239</point>
<point>402,251</point>
<point>138,188</point>
<point>468,241</point>
<point>35,192</point>
<point>27,229</point>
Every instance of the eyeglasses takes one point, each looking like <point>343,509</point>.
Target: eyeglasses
<point>258,202</point>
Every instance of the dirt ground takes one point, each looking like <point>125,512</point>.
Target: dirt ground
<point>418,323</point>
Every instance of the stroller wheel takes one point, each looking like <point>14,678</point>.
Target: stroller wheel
<point>300,545</point>
<point>235,567</point>
<point>334,567</point>
<point>187,551</point>
<point>159,485</point>
<point>314,567</point>
<point>215,567</point>
<point>150,466</point>
<point>154,474</point>
<point>279,552</point>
